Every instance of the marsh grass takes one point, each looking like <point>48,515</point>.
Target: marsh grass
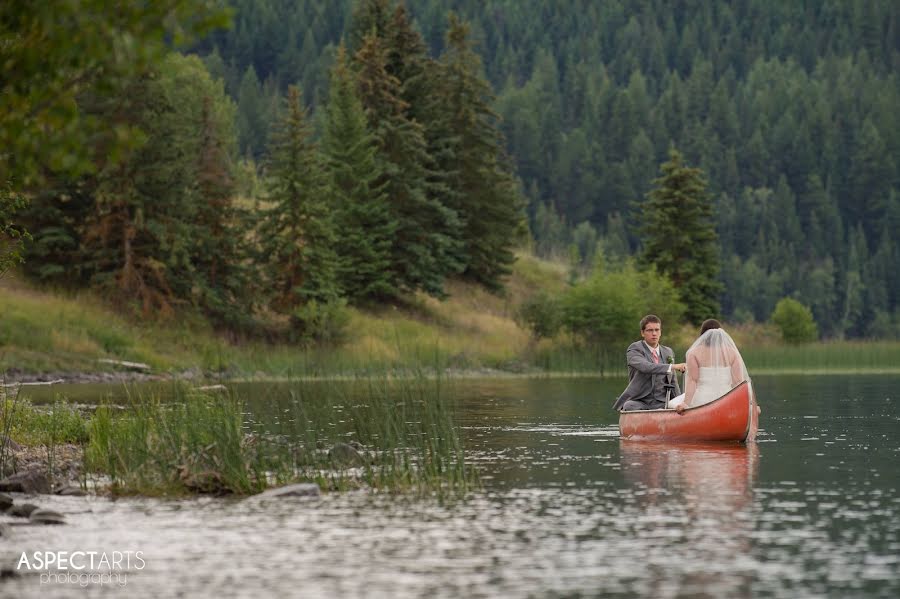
<point>403,433</point>
<point>389,433</point>
<point>192,442</point>
<point>835,356</point>
<point>565,356</point>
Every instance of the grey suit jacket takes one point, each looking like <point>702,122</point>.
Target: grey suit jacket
<point>646,378</point>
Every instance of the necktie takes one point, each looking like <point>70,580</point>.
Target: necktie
<point>655,356</point>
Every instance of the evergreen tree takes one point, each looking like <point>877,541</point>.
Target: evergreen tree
<point>370,17</point>
<point>486,194</point>
<point>134,231</point>
<point>871,174</point>
<point>296,233</point>
<point>251,121</point>
<point>678,236</point>
<point>363,218</point>
<point>425,246</point>
<point>222,281</point>
<point>56,216</point>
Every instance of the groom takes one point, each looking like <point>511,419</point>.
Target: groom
<point>649,370</point>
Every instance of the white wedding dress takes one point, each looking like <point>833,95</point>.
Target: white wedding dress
<point>715,381</point>
<point>714,365</point>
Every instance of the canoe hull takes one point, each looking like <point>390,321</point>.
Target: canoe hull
<point>732,417</point>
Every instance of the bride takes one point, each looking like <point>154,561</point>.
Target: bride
<point>714,367</point>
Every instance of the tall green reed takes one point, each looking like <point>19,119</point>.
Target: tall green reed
<point>387,433</point>
<point>403,431</point>
<point>192,442</point>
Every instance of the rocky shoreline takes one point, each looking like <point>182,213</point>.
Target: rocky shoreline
<point>15,375</point>
<point>38,471</point>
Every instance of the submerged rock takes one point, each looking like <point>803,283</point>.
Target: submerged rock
<point>23,510</point>
<point>295,490</point>
<point>344,454</point>
<point>71,490</point>
<point>44,516</point>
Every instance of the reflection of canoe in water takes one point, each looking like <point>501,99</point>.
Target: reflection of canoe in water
<point>732,417</point>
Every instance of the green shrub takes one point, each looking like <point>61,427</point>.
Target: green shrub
<point>541,314</point>
<point>795,321</point>
<point>320,322</point>
<point>608,306</point>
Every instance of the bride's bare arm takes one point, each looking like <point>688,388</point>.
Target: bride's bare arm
<point>692,376</point>
<point>737,370</point>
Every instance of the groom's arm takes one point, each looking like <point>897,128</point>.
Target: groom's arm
<point>640,362</point>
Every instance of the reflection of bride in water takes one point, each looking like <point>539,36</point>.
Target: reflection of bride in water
<point>695,505</point>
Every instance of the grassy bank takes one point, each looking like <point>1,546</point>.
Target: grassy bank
<point>42,331</point>
<point>471,331</point>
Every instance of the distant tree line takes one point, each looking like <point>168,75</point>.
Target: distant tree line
<point>790,109</point>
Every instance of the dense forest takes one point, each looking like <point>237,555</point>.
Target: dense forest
<point>323,152</point>
<point>790,108</point>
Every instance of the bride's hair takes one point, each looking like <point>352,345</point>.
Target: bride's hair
<point>710,323</point>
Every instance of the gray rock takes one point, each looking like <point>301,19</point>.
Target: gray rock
<point>27,481</point>
<point>23,510</point>
<point>344,454</point>
<point>71,490</point>
<point>43,516</point>
<point>5,501</point>
<point>296,490</point>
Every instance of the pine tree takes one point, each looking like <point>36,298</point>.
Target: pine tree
<point>136,240</point>
<point>159,228</point>
<point>56,217</point>
<point>425,247</point>
<point>363,218</point>
<point>370,17</point>
<point>487,197</point>
<point>251,120</point>
<point>219,250</point>
<point>296,234</point>
<point>679,238</point>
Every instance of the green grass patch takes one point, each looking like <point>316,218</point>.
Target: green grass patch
<point>56,423</point>
<point>403,430</point>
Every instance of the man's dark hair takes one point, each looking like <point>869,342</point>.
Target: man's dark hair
<point>710,323</point>
<point>648,319</point>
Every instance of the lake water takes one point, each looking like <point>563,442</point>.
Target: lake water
<point>567,510</point>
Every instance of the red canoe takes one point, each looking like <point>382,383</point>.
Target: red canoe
<point>732,417</point>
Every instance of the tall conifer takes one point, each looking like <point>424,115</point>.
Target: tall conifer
<point>486,195</point>
<point>222,278</point>
<point>297,236</point>
<point>363,218</point>
<point>424,249</point>
<point>679,238</point>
